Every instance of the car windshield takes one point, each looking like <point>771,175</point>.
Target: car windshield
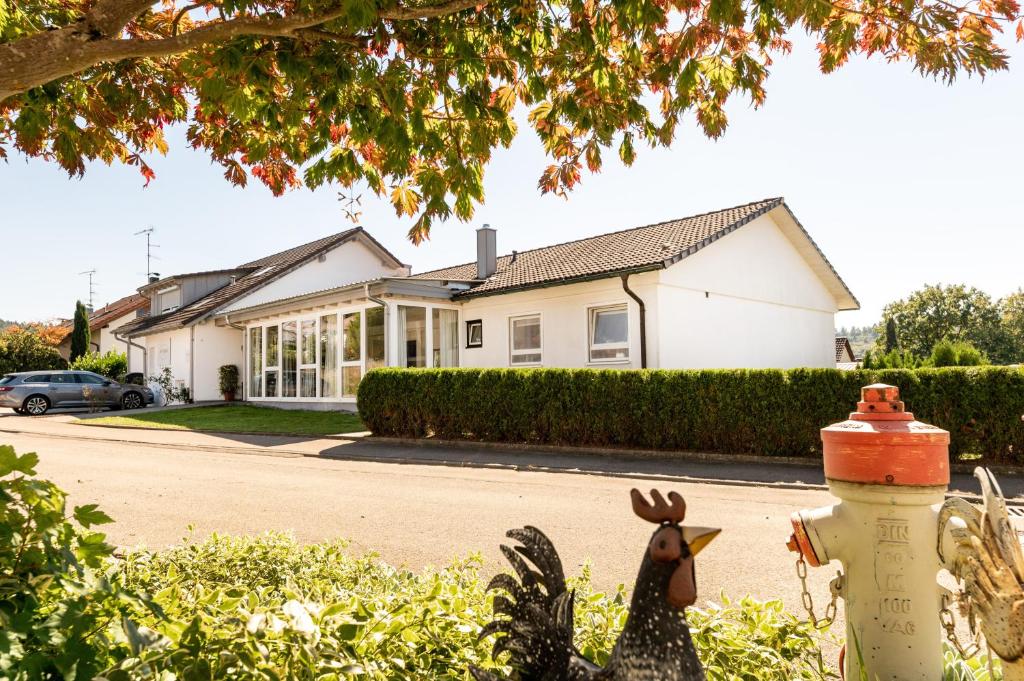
<point>7,379</point>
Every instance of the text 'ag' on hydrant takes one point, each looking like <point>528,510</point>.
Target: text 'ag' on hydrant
<point>891,474</point>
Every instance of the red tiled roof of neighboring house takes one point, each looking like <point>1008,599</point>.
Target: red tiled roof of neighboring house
<point>630,250</point>
<point>110,312</point>
<point>844,351</point>
<point>258,273</point>
<point>117,309</point>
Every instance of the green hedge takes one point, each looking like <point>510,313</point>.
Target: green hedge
<point>763,411</point>
<point>112,364</point>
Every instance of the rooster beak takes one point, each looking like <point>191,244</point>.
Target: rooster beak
<point>699,537</point>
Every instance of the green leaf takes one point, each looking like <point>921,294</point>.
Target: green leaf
<point>10,462</point>
<point>89,515</point>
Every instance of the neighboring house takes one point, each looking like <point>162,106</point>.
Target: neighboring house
<point>306,324</point>
<point>104,321</point>
<point>845,358</point>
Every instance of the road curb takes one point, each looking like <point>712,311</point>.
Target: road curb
<point>655,454</point>
<point>336,436</point>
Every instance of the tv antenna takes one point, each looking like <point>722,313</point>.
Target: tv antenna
<point>92,291</point>
<point>149,250</point>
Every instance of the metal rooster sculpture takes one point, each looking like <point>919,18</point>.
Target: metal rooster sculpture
<point>536,612</point>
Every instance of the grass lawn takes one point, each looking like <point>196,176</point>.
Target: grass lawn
<point>239,419</point>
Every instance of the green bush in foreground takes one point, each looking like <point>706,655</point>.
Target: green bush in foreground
<point>269,608</point>
<point>760,411</point>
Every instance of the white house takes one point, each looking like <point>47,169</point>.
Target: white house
<point>306,324</point>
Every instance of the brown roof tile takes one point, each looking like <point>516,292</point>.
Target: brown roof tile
<point>844,351</point>
<point>629,250</point>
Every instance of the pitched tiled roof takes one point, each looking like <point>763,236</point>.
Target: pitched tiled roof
<point>844,351</point>
<point>112,312</point>
<point>630,250</point>
<point>117,309</point>
<point>262,272</point>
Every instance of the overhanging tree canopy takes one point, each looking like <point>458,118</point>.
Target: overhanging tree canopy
<point>412,97</point>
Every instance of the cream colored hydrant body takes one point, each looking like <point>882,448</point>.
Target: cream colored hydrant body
<point>890,474</point>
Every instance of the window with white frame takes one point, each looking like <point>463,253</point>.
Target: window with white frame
<point>272,362</point>
<point>524,340</point>
<point>256,361</point>
<point>351,353</point>
<point>170,299</point>
<point>609,333</point>
<point>307,358</point>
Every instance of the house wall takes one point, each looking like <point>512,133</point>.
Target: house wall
<point>169,349</point>
<point>107,342</point>
<point>213,346</point>
<point>564,322</point>
<point>749,300</point>
<point>350,262</point>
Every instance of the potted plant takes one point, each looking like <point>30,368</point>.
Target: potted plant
<point>228,381</point>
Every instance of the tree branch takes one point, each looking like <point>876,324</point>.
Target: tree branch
<point>43,57</point>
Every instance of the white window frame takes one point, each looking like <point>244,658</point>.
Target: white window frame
<point>342,362</point>
<point>163,292</point>
<point>300,350</point>
<point>337,355</point>
<point>316,315</point>
<point>592,313</point>
<point>271,367</point>
<point>539,350</point>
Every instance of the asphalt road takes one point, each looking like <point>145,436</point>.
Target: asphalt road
<point>414,515</point>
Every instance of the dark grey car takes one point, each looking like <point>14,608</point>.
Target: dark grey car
<point>36,392</point>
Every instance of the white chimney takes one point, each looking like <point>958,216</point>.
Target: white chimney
<point>486,251</point>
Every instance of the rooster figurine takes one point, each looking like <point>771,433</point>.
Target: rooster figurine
<point>536,611</point>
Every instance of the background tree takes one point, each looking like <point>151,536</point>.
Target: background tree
<point>23,350</point>
<point>947,353</point>
<point>891,341</point>
<point>410,98</point>
<point>957,313</point>
<point>80,335</point>
<point>1011,309</point>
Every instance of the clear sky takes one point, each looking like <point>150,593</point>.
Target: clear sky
<point>901,180</point>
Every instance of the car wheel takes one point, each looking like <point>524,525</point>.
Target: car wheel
<point>36,405</point>
<point>132,400</point>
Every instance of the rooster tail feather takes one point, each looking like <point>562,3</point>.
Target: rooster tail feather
<point>534,613</point>
<point>539,550</point>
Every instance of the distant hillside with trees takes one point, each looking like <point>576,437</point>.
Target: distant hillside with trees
<point>862,338</point>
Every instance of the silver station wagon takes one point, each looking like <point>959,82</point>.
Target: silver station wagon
<point>36,392</point>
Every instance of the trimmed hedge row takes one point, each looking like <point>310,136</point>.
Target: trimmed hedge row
<point>763,411</point>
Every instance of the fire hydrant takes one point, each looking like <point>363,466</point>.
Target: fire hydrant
<point>891,474</point>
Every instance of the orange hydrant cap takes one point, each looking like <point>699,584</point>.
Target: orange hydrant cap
<point>882,444</point>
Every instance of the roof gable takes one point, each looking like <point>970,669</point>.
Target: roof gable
<point>258,273</point>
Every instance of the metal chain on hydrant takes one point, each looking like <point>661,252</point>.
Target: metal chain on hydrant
<point>949,624</point>
<point>808,601</point>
